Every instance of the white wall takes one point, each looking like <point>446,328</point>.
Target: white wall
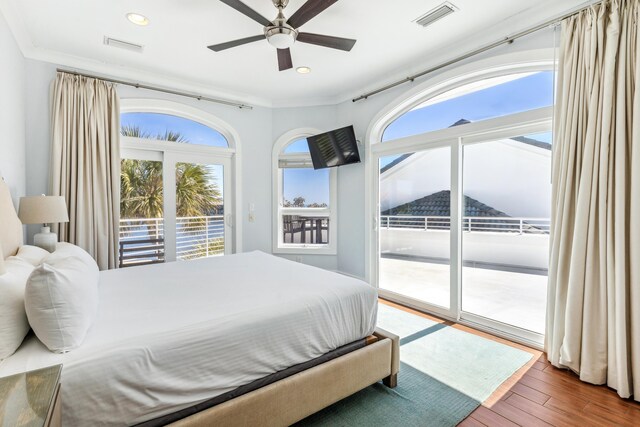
<point>253,127</point>
<point>258,130</point>
<point>12,113</point>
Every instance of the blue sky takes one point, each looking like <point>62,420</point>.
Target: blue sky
<point>526,93</point>
<point>194,132</point>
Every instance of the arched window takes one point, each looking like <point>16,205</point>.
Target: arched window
<point>175,183</point>
<point>460,174</point>
<point>166,127</point>
<point>304,199</point>
<point>480,100</point>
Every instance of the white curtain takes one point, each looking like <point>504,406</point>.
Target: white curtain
<point>593,318</point>
<point>85,163</point>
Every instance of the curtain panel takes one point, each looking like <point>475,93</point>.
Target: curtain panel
<point>593,311</point>
<point>85,163</point>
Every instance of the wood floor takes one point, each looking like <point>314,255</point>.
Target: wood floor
<point>540,395</point>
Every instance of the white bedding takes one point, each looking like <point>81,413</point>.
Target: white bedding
<point>168,336</point>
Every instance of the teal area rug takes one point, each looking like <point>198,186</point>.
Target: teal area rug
<point>445,374</point>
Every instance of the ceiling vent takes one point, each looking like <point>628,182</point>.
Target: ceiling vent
<point>435,14</point>
<point>123,45</point>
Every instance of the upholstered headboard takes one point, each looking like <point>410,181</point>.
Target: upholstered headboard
<point>10,225</point>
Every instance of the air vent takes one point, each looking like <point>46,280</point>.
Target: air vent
<point>123,45</point>
<point>435,14</point>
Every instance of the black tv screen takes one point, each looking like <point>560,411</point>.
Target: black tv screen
<point>335,148</point>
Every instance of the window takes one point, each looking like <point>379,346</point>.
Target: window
<point>304,199</point>
<point>175,180</point>
<point>482,100</point>
<point>463,214</point>
<point>165,127</point>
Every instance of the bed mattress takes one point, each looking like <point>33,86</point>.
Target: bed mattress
<point>169,336</point>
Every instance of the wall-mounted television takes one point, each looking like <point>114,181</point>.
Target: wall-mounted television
<point>335,148</point>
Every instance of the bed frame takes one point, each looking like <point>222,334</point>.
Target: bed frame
<point>283,402</point>
<point>298,396</point>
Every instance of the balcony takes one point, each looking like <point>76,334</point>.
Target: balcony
<point>142,239</point>
<point>504,264</point>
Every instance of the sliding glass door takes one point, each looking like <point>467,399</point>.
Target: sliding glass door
<point>505,231</point>
<point>463,227</point>
<point>415,218</point>
<point>174,206</point>
<point>200,230</point>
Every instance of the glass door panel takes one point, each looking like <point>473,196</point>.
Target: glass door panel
<point>200,210</point>
<point>505,230</point>
<point>141,233</point>
<point>414,225</point>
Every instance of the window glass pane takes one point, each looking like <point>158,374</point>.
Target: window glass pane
<point>299,146</point>
<point>415,219</point>
<point>166,127</point>
<point>200,229</point>
<point>505,229</point>
<point>141,213</point>
<point>478,101</point>
<point>305,188</point>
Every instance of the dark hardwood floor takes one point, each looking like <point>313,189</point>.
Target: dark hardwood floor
<point>539,394</point>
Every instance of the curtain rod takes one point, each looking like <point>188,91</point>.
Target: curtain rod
<point>507,40</point>
<point>159,89</point>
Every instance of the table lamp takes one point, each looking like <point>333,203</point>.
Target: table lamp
<point>43,210</point>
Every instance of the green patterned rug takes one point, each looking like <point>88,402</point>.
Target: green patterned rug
<point>444,376</point>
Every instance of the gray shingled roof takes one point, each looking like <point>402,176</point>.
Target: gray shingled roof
<point>523,139</point>
<point>438,204</point>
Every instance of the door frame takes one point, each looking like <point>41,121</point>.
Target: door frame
<point>134,148</point>
<point>526,123</point>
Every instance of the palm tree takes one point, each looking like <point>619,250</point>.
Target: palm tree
<point>141,194</point>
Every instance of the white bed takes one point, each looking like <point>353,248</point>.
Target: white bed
<point>171,335</point>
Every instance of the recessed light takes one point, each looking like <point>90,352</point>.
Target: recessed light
<point>303,70</point>
<point>138,19</point>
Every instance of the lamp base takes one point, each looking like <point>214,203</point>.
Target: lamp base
<point>45,239</point>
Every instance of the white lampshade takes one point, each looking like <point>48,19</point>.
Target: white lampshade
<point>43,210</point>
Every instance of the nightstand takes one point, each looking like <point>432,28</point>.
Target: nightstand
<point>31,399</point>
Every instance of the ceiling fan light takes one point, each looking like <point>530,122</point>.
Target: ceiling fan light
<point>281,37</point>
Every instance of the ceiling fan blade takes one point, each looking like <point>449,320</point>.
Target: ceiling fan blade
<point>284,59</point>
<point>326,41</point>
<point>308,11</point>
<point>234,43</point>
<point>246,10</point>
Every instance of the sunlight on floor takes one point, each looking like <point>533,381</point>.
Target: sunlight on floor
<point>514,298</point>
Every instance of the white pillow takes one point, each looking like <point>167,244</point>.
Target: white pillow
<point>13,319</point>
<point>65,250</point>
<point>61,301</point>
<point>32,254</point>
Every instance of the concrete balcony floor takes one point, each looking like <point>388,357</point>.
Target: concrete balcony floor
<point>515,298</point>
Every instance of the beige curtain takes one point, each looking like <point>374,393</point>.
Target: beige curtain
<point>593,318</point>
<point>85,163</point>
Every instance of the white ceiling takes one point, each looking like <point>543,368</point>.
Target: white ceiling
<point>390,45</point>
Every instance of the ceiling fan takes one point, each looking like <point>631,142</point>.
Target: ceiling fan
<point>282,33</point>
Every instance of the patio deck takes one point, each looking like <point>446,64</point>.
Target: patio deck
<point>513,297</point>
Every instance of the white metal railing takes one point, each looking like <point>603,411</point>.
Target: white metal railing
<point>469,223</point>
<point>196,237</point>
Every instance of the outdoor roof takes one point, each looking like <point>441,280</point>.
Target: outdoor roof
<point>438,204</point>
<point>523,139</point>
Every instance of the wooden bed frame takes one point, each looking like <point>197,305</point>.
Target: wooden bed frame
<point>283,402</point>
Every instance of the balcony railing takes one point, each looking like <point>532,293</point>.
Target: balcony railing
<point>469,224</point>
<point>142,240</point>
